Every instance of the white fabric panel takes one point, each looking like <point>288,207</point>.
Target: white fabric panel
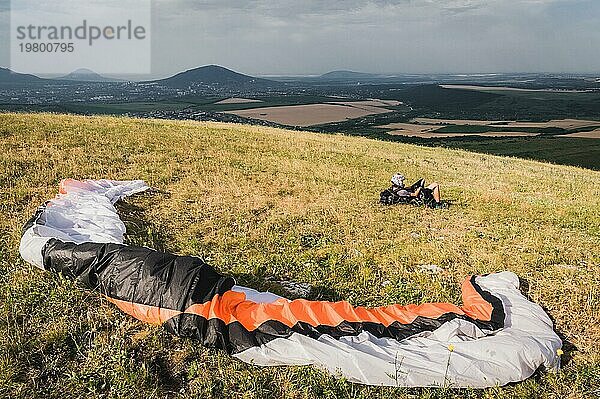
<point>31,246</point>
<point>257,296</point>
<point>83,213</point>
<point>527,342</point>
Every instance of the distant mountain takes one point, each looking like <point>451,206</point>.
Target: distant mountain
<point>86,75</point>
<point>349,75</point>
<point>214,75</point>
<point>8,76</point>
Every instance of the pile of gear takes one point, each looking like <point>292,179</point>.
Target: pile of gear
<point>417,194</point>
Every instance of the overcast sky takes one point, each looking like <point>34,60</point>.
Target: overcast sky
<point>264,37</point>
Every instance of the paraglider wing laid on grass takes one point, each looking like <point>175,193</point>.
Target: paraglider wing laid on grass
<point>497,336</point>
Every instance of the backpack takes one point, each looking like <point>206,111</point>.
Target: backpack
<point>389,197</point>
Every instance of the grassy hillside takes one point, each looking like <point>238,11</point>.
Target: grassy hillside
<point>265,204</point>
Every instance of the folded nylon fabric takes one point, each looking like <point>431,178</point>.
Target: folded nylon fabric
<point>496,337</point>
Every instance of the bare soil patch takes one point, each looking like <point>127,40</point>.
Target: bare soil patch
<point>412,128</point>
<point>474,122</point>
<point>424,130</point>
<point>238,100</point>
<point>559,123</point>
<point>430,134</point>
<point>311,114</point>
<point>594,134</point>
<point>369,103</point>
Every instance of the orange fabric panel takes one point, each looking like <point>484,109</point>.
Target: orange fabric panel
<point>62,186</point>
<point>473,304</point>
<point>233,306</point>
<point>145,313</point>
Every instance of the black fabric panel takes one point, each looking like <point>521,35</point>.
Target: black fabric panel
<point>137,274</point>
<point>214,333</point>
<point>498,315</point>
<point>416,185</point>
<point>39,217</point>
<point>234,338</point>
<point>154,278</point>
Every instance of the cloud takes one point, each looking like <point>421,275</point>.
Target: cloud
<point>260,36</point>
<point>314,36</point>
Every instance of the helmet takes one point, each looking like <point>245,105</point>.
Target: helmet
<point>398,180</point>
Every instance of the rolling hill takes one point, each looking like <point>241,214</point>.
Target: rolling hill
<point>214,75</point>
<point>268,205</point>
<point>9,77</point>
<point>86,75</point>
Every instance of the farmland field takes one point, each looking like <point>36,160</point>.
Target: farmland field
<point>439,128</point>
<point>311,114</point>
<point>558,123</point>
<point>238,100</point>
<point>593,134</point>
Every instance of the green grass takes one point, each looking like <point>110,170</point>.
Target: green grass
<point>121,108</point>
<point>259,203</point>
<point>100,108</point>
<point>581,152</point>
<point>437,102</point>
<point>198,103</point>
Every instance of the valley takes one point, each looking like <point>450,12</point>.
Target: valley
<point>496,113</point>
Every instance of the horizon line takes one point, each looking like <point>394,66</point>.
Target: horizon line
<point>315,74</point>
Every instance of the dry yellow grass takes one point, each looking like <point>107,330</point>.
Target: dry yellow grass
<point>260,203</point>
